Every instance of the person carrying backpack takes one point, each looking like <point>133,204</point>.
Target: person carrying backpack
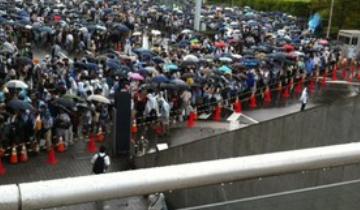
<point>100,161</point>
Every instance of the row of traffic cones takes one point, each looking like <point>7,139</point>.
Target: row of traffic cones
<point>52,160</point>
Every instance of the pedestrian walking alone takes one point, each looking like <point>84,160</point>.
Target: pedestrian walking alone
<point>304,98</point>
<point>101,164</point>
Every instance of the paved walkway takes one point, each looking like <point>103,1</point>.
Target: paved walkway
<point>76,161</point>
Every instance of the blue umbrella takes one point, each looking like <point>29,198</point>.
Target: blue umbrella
<point>171,67</point>
<point>113,66</point>
<point>160,79</point>
<point>142,51</point>
<point>183,43</point>
<point>225,70</point>
<point>158,60</point>
<point>250,63</point>
<point>178,82</point>
<point>91,66</point>
<point>121,28</point>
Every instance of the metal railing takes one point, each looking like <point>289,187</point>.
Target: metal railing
<point>62,192</point>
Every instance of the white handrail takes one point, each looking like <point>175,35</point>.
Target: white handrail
<point>61,192</point>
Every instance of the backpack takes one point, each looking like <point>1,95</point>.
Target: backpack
<point>99,164</point>
<point>38,124</point>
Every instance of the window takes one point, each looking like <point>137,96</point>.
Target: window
<point>344,39</point>
<point>354,41</point>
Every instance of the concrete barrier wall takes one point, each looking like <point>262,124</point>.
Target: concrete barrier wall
<point>268,185</point>
<point>329,124</point>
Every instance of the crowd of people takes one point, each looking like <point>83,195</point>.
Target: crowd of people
<point>96,48</point>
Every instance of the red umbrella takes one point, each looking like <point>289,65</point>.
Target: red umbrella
<point>57,18</point>
<point>220,44</point>
<point>288,47</point>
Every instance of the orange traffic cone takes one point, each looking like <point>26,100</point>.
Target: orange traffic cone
<point>2,168</point>
<point>253,101</point>
<point>13,157</point>
<point>23,154</point>
<point>100,136</point>
<point>323,81</point>
<point>334,72</point>
<point>267,96</point>
<point>91,145</point>
<point>134,128</point>
<point>60,147</point>
<point>159,130</point>
<point>237,106</point>
<point>344,74</point>
<point>191,120</point>
<point>312,86</point>
<point>286,93</point>
<point>52,157</point>
<point>217,113</point>
<point>298,88</point>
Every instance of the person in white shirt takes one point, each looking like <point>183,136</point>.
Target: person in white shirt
<point>304,98</point>
<point>100,161</point>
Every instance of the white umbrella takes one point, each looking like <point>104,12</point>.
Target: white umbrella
<point>16,84</point>
<point>186,31</point>
<point>191,58</point>
<point>137,33</point>
<point>156,32</point>
<point>226,59</point>
<point>99,98</point>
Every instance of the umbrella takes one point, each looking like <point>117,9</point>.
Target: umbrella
<point>136,76</point>
<point>178,82</point>
<point>158,59</point>
<point>99,99</point>
<point>187,75</point>
<point>184,43</point>
<point>137,33</point>
<point>121,28</point>
<point>155,32</point>
<point>220,44</point>
<point>323,42</point>
<point>171,67</point>
<point>288,47</point>
<point>73,97</point>
<point>150,69</point>
<point>144,52</point>
<point>160,79</point>
<point>225,59</point>
<point>186,31</point>
<point>225,69</point>
<point>23,61</point>
<point>17,105</point>
<point>65,102</point>
<point>250,63</point>
<point>91,66</point>
<point>191,58</point>
<point>16,84</point>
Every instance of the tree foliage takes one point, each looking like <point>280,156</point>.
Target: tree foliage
<point>346,12</point>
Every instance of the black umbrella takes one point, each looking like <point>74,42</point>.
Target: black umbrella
<point>16,105</point>
<point>120,28</point>
<point>65,103</point>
